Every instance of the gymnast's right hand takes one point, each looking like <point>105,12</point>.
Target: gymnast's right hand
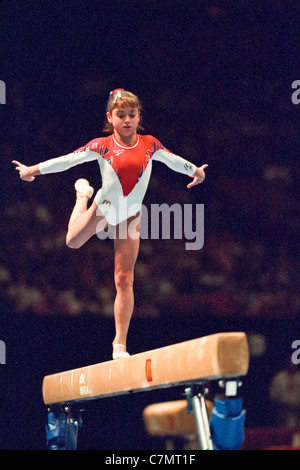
<point>24,171</point>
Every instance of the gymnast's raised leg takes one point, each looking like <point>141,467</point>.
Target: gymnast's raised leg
<point>84,221</point>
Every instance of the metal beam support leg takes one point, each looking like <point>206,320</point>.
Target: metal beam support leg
<point>62,428</point>
<point>196,403</point>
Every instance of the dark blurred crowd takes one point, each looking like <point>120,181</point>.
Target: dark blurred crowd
<point>248,266</point>
<point>233,110</point>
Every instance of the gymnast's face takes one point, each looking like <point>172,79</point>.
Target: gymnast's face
<point>124,121</point>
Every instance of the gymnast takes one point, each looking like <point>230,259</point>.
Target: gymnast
<point>125,159</point>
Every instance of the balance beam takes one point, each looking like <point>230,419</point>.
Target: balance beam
<point>213,357</point>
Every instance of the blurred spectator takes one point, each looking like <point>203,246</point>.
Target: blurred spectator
<point>285,393</point>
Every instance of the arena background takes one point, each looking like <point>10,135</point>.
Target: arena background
<point>215,79</point>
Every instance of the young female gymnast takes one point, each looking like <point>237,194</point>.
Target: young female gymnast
<point>125,158</point>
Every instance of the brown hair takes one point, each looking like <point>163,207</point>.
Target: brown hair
<point>127,99</point>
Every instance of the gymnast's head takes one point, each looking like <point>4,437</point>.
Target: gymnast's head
<point>122,99</point>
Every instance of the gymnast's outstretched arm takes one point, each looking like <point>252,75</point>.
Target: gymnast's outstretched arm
<point>54,165</point>
<point>181,165</point>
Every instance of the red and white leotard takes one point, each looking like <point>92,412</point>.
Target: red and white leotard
<point>125,171</point>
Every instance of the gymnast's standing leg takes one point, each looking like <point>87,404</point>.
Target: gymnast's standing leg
<point>126,247</point>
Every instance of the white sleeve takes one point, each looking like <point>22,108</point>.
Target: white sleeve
<point>175,162</point>
<point>55,165</point>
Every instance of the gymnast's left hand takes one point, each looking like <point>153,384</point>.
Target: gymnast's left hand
<point>198,176</point>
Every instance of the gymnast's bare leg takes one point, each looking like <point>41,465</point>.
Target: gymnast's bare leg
<point>126,246</point>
